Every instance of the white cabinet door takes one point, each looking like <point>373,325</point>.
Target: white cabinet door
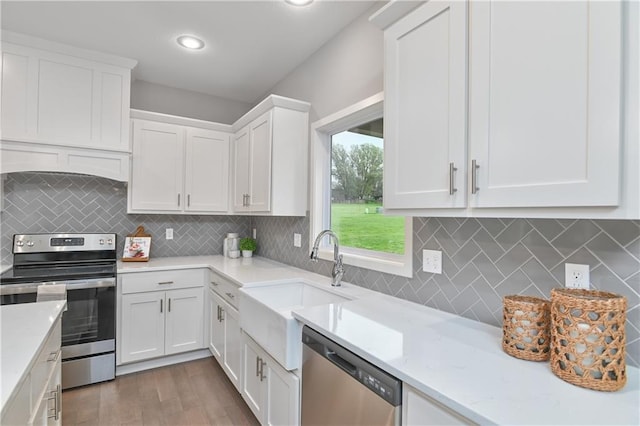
<point>184,320</point>
<point>253,390</point>
<point>419,409</point>
<point>241,149</point>
<point>142,326</point>
<point>206,171</point>
<point>260,163</point>
<point>282,395</point>
<point>216,327</point>
<point>232,346</point>
<point>61,99</point>
<point>157,172</point>
<point>425,108</point>
<point>544,103</point>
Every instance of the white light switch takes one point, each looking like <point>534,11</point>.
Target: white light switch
<point>297,240</point>
<point>432,261</point>
<point>169,233</point>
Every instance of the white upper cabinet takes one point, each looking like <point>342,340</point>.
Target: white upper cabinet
<point>425,111</point>
<point>544,103</point>
<point>252,165</point>
<point>511,109</point>
<point>270,158</point>
<point>207,170</point>
<point>178,168</point>
<point>58,95</point>
<point>157,169</point>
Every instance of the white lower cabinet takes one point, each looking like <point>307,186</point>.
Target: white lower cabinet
<point>271,392</point>
<point>225,337</point>
<point>38,400</point>
<point>161,322</point>
<point>419,409</point>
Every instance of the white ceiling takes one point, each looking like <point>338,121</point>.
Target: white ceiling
<point>250,45</point>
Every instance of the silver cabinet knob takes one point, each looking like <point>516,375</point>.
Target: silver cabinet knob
<point>30,243</point>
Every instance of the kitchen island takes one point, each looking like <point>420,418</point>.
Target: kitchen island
<point>29,332</point>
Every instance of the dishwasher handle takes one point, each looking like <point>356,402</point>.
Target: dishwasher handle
<point>341,362</point>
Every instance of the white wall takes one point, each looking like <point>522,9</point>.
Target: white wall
<point>347,69</point>
<point>168,100</point>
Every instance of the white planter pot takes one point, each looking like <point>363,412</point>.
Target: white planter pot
<point>247,253</point>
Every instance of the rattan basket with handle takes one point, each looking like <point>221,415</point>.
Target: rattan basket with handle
<point>588,338</point>
<point>525,327</point>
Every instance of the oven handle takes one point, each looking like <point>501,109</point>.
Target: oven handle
<point>97,283</point>
<point>26,288</point>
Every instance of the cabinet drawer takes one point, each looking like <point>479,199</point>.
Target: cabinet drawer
<point>46,362</point>
<point>224,288</point>
<point>161,280</point>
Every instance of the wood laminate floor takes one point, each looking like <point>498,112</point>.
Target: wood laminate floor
<point>193,393</point>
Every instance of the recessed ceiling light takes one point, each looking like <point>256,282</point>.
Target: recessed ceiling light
<point>299,2</point>
<point>190,42</point>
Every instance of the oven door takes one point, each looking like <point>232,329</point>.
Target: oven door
<point>88,324</point>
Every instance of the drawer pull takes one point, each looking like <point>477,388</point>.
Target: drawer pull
<point>53,356</point>
<point>165,282</point>
<point>55,397</point>
<point>215,283</point>
<point>169,308</point>
<point>257,366</point>
<point>160,305</point>
<point>262,364</point>
<point>231,295</point>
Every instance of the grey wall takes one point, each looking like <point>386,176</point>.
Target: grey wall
<point>48,202</point>
<point>346,70</point>
<point>168,100</point>
<point>484,259</point>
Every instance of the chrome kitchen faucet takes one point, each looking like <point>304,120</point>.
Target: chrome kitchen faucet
<point>338,268</point>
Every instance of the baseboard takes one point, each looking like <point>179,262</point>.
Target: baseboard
<point>161,362</point>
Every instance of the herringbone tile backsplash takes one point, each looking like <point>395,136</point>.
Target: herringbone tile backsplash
<point>483,259</point>
<point>54,202</point>
<point>486,259</point>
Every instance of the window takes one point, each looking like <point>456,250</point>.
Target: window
<point>347,195</point>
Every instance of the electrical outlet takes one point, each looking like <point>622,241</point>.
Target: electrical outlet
<point>432,261</point>
<point>576,276</point>
<point>254,233</point>
<point>168,233</point>
<point>297,240</point>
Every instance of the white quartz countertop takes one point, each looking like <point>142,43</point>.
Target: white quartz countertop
<point>454,360</point>
<point>24,328</point>
<point>460,363</point>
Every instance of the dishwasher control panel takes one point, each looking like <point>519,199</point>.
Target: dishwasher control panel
<point>384,390</point>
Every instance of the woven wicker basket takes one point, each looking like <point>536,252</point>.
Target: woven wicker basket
<point>588,338</point>
<point>525,327</point>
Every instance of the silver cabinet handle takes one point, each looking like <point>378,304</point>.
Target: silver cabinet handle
<point>248,200</point>
<point>257,366</point>
<point>160,305</point>
<point>219,313</point>
<point>474,178</point>
<point>178,200</point>
<point>55,396</point>
<point>215,283</point>
<point>452,172</point>
<point>231,295</point>
<point>165,282</point>
<point>262,364</point>
<point>188,200</point>
<point>169,307</point>
<point>53,356</point>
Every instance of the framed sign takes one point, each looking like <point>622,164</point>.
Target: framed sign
<point>137,246</point>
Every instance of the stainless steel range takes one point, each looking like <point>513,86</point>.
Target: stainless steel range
<point>86,264</point>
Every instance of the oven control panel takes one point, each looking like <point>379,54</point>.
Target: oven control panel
<point>37,243</point>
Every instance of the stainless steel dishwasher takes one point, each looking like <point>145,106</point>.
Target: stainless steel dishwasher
<point>340,388</point>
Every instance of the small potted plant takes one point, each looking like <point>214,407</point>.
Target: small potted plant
<point>248,246</point>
